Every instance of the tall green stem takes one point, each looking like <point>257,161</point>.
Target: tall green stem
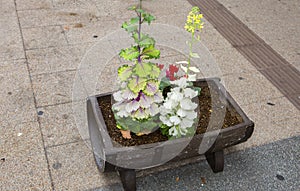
<point>140,30</point>
<point>190,52</point>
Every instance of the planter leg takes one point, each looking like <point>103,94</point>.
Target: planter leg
<point>128,178</point>
<point>215,160</point>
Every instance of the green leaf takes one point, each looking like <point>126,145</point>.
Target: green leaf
<point>194,55</point>
<point>198,89</point>
<point>150,53</point>
<point>164,82</point>
<point>142,69</point>
<point>132,8</point>
<point>148,17</point>
<point>136,84</point>
<point>134,20</point>
<point>155,71</point>
<point>164,130</point>
<point>130,53</point>
<point>140,10</point>
<point>124,72</point>
<point>145,41</point>
<point>129,27</point>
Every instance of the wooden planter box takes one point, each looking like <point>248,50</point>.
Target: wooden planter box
<point>150,155</point>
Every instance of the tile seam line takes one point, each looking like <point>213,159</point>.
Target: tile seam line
<point>34,98</point>
<point>213,21</point>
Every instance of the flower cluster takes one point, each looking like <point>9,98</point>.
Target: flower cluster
<point>178,110</point>
<point>145,100</point>
<point>194,22</point>
<point>139,106</point>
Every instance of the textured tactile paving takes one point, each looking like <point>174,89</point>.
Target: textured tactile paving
<point>273,66</point>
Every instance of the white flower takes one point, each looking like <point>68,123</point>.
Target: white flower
<point>176,96</point>
<point>191,115</point>
<point>182,62</point>
<point>194,69</point>
<point>170,104</point>
<point>164,111</point>
<point>192,77</point>
<point>181,82</point>
<point>182,131</point>
<point>165,120</point>
<point>175,120</point>
<point>173,131</point>
<point>187,104</point>
<point>181,112</point>
<point>186,123</point>
<point>188,92</point>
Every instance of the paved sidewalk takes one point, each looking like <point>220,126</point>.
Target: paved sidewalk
<point>42,44</point>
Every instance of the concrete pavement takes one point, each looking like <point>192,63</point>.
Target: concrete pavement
<point>42,44</point>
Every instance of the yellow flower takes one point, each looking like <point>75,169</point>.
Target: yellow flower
<point>194,21</point>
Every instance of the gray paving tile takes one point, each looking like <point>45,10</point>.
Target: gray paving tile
<point>10,39</point>
<point>262,11</point>
<point>167,7</point>
<point>250,87</point>
<point>44,37</point>
<point>272,122</point>
<point>288,48</point>
<point>46,17</point>
<point>91,32</point>
<point>261,168</point>
<point>7,8</point>
<point>253,169</point>
<point>55,88</point>
<point>78,4</point>
<point>73,168</point>
<point>33,4</point>
<point>58,125</point>
<point>115,8</point>
<point>23,165</point>
<point>17,102</point>
<point>55,59</point>
<point>230,61</point>
<point>262,17</point>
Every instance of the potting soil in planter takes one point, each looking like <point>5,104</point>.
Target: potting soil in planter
<point>205,104</point>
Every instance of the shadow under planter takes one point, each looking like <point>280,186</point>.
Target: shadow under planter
<point>209,141</point>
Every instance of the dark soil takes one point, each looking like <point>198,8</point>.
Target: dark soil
<point>207,110</point>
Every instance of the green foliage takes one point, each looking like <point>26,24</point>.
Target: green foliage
<point>164,82</point>
<point>141,78</point>
<point>137,126</point>
<point>150,53</point>
<point>142,69</point>
<point>143,40</point>
<point>130,54</point>
<point>129,27</point>
<point>136,84</point>
<point>148,17</point>
<point>164,129</point>
<point>124,72</point>
<point>147,70</point>
<point>198,89</point>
